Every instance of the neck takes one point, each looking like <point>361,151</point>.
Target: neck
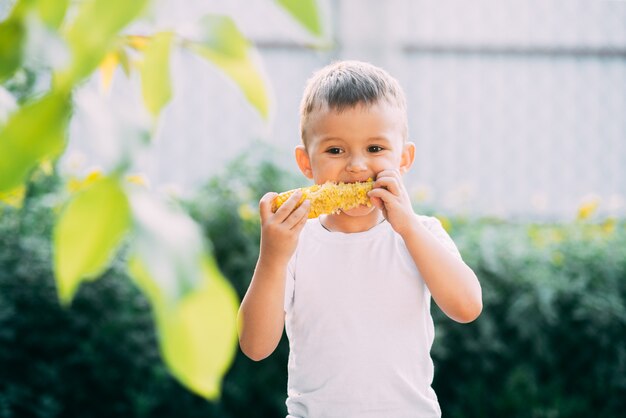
<point>342,222</point>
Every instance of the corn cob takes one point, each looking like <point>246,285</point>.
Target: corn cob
<point>329,198</point>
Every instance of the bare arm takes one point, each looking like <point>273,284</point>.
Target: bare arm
<point>261,315</point>
<point>452,284</point>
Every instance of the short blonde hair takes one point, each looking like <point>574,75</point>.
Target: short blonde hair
<point>346,84</point>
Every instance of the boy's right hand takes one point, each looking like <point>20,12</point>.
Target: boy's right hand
<point>280,230</point>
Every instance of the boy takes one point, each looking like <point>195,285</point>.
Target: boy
<point>353,289</point>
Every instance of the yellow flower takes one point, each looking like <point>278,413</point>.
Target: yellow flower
<point>138,179</point>
<point>246,212</point>
<point>107,69</point>
<point>137,42</point>
<point>14,197</point>
<point>75,185</point>
<point>588,208</point>
<point>608,226</point>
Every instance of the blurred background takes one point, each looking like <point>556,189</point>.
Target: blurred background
<point>518,111</point>
<point>516,107</point>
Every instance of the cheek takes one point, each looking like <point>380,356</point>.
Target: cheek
<point>390,161</point>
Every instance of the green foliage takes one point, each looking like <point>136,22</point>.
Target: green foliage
<point>12,34</point>
<point>88,233</point>
<point>155,72</point>
<point>220,41</point>
<point>305,11</point>
<point>550,340</point>
<point>227,208</point>
<point>35,132</point>
<point>98,357</point>
<point>194,306</point>
<point>92,33</point>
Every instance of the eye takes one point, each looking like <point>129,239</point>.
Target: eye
<point>334,150</point>
<point>375,148</point>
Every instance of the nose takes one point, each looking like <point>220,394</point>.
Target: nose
<point>356,164</point>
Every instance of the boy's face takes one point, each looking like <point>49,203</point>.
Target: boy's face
<point>354,144</point>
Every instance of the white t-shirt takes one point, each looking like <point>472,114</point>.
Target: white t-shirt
<point>359,326</point>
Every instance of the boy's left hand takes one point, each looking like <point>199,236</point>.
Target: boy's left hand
<point>390,196</point>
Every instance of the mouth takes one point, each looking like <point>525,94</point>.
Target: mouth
<point>356,181</point>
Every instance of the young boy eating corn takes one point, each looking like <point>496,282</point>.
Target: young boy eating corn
<point>350,272</point>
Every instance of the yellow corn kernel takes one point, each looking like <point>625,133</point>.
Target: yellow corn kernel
<point>329,198</point>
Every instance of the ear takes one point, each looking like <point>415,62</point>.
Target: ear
<point>407,158</point>
<point>304,162</point>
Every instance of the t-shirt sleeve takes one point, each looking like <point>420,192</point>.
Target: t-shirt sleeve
<point>290,283</point>
<point>434,226</point>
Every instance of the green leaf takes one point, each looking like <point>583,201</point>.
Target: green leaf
<point>197,335</point>
<point>52,12</point>
<point>12,37</point>
<point>92,34</point>
<point>306,12</point>
<point>34,132</point>
<point>224,45</point>
<point>169,243</point>
<point>156,85</point>
<point>194,306</point>
<point>87,233</point>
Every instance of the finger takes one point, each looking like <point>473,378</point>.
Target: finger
<point>290,204</point>
<point>377,202</point>
<point>384,196</point>
<point>389,172</point>
<point>390,183</point>
<point>265,205</point>
<point>298,215</point>
<point>300,225</point>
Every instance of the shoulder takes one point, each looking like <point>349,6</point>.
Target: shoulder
<point>430,222</point>
<point>437,229</point>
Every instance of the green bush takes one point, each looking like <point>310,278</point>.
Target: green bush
<point>549,343</point>
<point>99,358</point>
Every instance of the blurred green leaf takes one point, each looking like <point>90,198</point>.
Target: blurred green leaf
<point>194,306</point>
<point>219,41</point>
<point>221,35</point>
<point>34,132</point>
<point>52,12</point>
<point>170,245</point>
<point>92,33</point>
<point>87,233</point>
<point>306,12</point>
<point>156,85</point>
<point>12,36</point>
<point>198,334</point>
